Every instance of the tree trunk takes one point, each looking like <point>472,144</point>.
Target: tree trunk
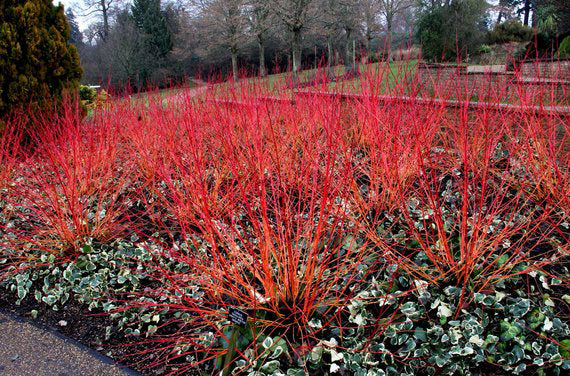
<point>354,54</point>
<point>526,11</point>
<point>104,9</point>
<point>296,47</point>
<point>368,42</point>
<point>235,72</point>
<point>389,20</point>
<point>330,57</point>
<point>348,52</point>
<point>261,44</point>
<point>316,62</point>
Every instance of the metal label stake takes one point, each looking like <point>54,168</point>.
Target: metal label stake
<point>239,319</point>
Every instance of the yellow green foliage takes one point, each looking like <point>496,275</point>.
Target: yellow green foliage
<point>36,61</point>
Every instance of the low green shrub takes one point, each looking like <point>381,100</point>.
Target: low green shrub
<point>87,93</point>
<point>91,98</point>
<point>564,48</point>
<point>509,31</point>
<point>485,49</point>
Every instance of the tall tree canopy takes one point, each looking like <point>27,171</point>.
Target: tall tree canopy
<point>155,36</point>
<point>451,28</point>
<point>150,19</point>
<point>36,59</point>
<point>75,36</point>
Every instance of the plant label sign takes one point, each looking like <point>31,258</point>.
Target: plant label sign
<point>238,317</point>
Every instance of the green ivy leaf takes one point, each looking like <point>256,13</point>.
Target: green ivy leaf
<point>152,329</point>
<point>420,334</point>
<point>295,372</point>
<point>408,308</point>
<point>49,300</point>
<point>520,308</point>
<point>520,368</point>
<point>270,367</point>
<point>408,346</point>
<point>443,311</point>
<point>267,343</point>
<point>277,352</point>
<point>316,354</point>
<point>565,348</point>
<point>536,318</point>
<point>509,331</point>
<point>442,360</point>
<point>486,300</point>
<point>21,292</point>
<point>502,260</point>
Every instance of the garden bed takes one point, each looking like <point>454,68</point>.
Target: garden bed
<point>355,238</point>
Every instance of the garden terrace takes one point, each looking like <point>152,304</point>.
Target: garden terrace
<point>493,84</point>
<point>558,69</point>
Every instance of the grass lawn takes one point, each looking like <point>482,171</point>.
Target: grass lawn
<point>396,78</point>
<point>380,78</point>
<point>161,94</point>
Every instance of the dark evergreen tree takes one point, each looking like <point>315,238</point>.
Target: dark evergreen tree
<point>36,60</point>
<point>151,21</point>
<point>156,39</point>
<point>450,29</point>
<point>75,35</point>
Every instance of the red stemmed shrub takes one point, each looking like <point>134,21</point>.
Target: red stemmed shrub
<point>274,207</point>
<point>257,210</point>
<point>73,187</point>
<point>471,203</point>
<point>10,151</point>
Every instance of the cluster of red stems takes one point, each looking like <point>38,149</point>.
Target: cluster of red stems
<point>281,202</point>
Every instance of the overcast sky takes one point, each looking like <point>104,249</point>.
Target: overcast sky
<point>83,21</point>
<point>75,5</point>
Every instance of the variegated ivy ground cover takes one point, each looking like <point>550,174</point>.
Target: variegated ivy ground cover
<point>359,240</point>
<point>508,329</point>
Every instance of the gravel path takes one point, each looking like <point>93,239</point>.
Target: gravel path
<point>26,349</point>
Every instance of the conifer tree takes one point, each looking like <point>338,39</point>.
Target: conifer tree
<point>156,38</point>
<point>75,36</point>
<point>36,60</point>
<point>150,20</point>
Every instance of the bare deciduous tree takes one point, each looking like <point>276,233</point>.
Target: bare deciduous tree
<point>340,17</point>
<point>348,17</point>
<point>260,17</point>
<point>389,10</point>
<point>123,51</point>
<point>370,10</point>
<point>103,8</point>
<point>328,26</point>
<point>223,23</point>
<point>295,15</point>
